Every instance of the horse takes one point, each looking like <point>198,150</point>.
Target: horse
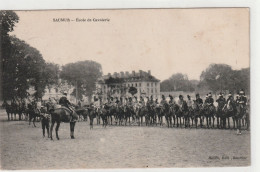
<point>128,111</point>
<point>83,114</point>
<point>119,115</point>
<point>141,111</point>
<point>221,120</point>
<point>209,112</point>
<point>103,112</point>
<point>8,109</point>
<point>33,113</point>
<point>229,110</point>
<point>45,121</point>
<point>92,114</point>
<point>181,112</point>
<point>196,113</point>
<point>168,114</point>
<point>63,115</point>
<point>240,113</point>
<point>150,116</point>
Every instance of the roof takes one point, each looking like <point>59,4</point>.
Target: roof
<point>144,77</point>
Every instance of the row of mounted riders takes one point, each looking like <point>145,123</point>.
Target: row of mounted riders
<point>175,114</point>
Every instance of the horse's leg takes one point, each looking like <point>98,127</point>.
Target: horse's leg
<point>234,122</point>
<point>34,121</point>
<point>72,126</point>
<point>228,122</point>
<point>43,128</point>
<point>8,115</point>
<point>91,122</point>
<point>57,129</point>
<point>52,124</point>
<point>47,128</point>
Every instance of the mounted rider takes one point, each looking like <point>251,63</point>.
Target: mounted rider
<point>141,101</point>
<point>65,103</point>
<point>209,101</point>
<point>221,102</point>
<point>96,104</point>
<point>182,103</point>
<point>198,100</point>
<point>163,101</point>
<point>242,100</point>
<point>230,103</point>
<point>189,102</point>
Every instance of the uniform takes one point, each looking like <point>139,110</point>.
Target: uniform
<point>221,102</point>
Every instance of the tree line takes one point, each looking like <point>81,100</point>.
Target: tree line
<point>22,67</point>
<point>216,78</point>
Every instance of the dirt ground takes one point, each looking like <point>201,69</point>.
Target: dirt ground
<point>23,147</point>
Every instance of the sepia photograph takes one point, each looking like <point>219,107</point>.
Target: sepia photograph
<point>125,88</point>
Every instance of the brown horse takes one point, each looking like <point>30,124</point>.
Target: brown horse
<point>63,115</point>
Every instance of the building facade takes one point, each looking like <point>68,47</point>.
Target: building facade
<point>118,85</point>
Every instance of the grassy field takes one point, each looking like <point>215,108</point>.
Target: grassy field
<point>23,147</point>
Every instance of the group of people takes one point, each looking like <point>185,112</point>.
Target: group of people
<point>209,101</point>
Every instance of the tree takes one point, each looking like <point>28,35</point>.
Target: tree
<point>221,77</point>
<point>83,75</point>
<point>132,90</point>
<point>216,76</point>
<point>8,19</point>
<point>177,82</point>
<point>25,67</point>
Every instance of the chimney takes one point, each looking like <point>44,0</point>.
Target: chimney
<point>149,72</point>
<point>127,74</point>
<point>122,74</point>
<point>133,73</point>
<point>114,75</point>
<point>141,73</point>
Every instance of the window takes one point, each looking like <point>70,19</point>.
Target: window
<point>148,90</point>
<point>155,84</point>
<point>140,84</point>
<point>151,90</point>
<point>155,90</point>
<point>132,85</point>
<point>151,84</point>
<point>135,84</point>
<point>148,84</point>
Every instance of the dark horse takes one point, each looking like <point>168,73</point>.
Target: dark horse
<point>33,113</point>
<point>209,112</point>
<point>8,109</point>
<point>63,115</point>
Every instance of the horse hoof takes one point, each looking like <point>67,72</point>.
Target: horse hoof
<point>72,137</point>
<point>58,138</point>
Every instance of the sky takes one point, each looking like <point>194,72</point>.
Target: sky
<point>165,41</point>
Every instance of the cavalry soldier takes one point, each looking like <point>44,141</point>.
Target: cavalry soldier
<point>198,100</point>
<point>230,101</point>
<point>96,104</point>
<point>163,101</point>
<point>156,103</point>
<point>189,102</point>
<point>142,101</point>
<point>209,101</point>
<point>65,102</point>
<point>183,105</point>
<point>242,98</point>
<point>221,102</point>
